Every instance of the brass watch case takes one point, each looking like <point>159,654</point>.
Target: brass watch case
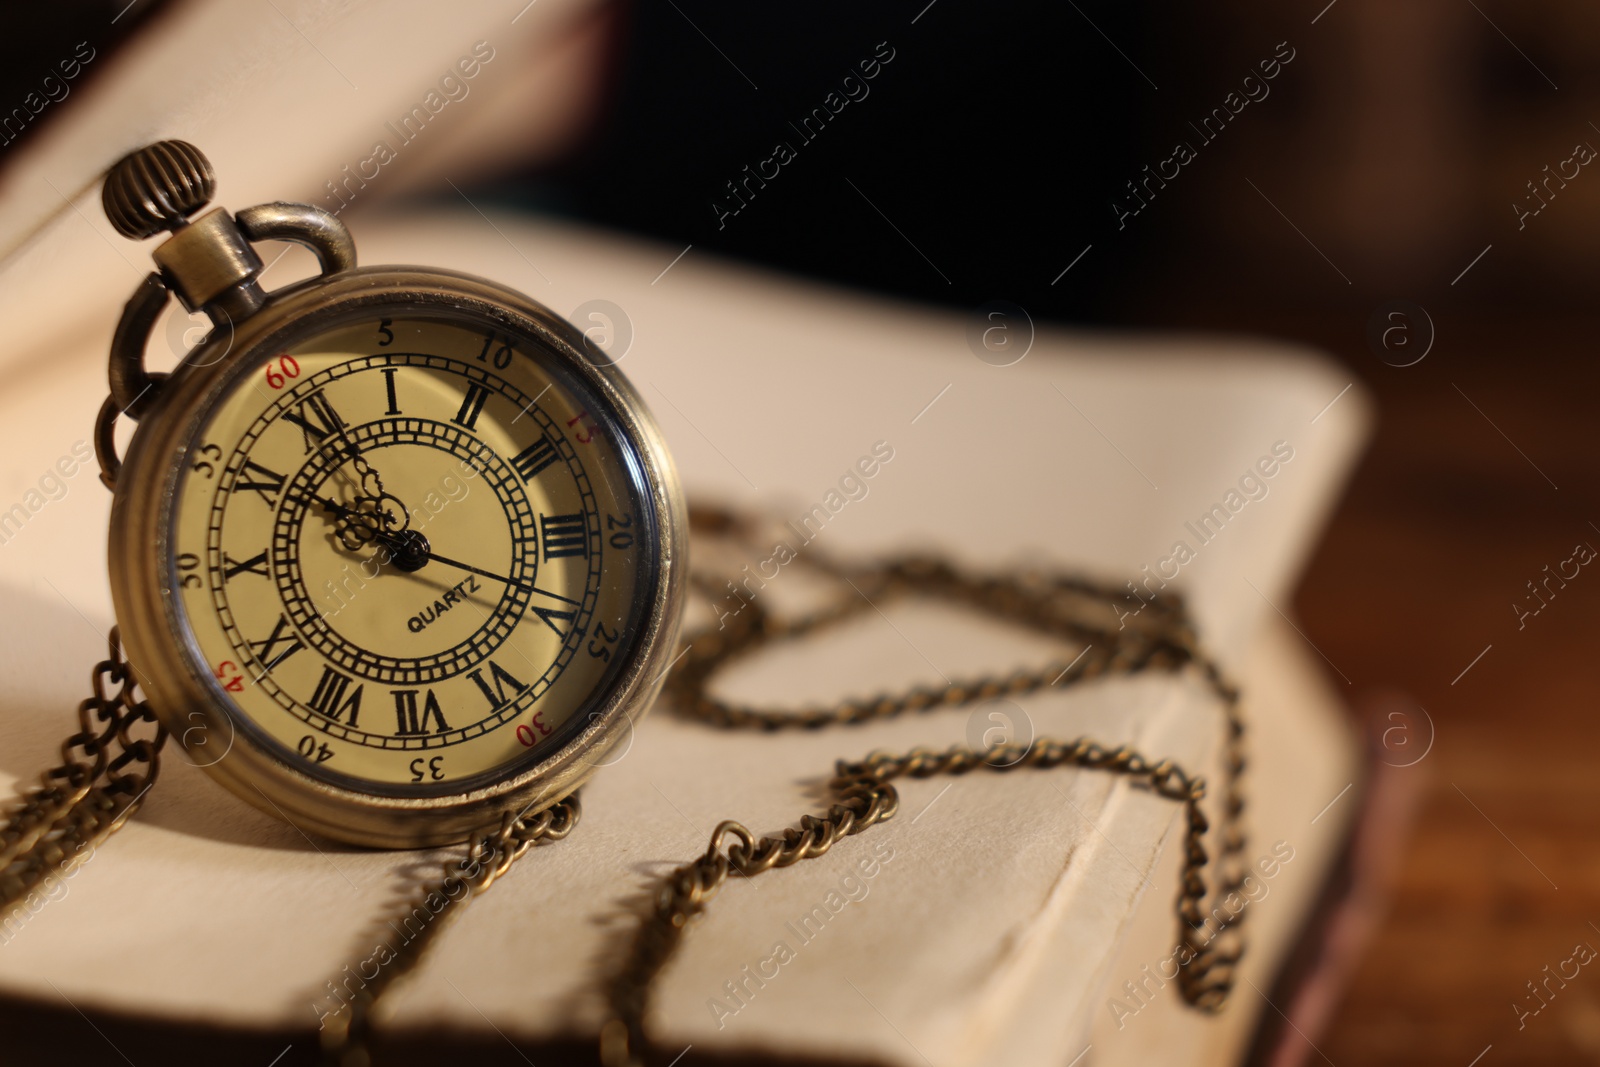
<point>144,589</point>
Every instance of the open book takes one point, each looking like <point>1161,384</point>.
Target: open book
<point>1011,919</point>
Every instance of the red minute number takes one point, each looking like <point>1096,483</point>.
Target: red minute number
<point>288,367</point>
<point>586,434</point>
<point>526,735</point>
<point>227,673</point>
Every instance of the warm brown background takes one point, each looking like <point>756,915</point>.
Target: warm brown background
<point>1444,525</point>
<point>1421,126</point>
<point>1391,152</point>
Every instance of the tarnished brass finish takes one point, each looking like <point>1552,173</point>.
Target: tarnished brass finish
<point>344,1034</point>
<point>863,795</point>
<point>142,578</point>
<point>157,188</point>
<point>106,771</point>
<point>104,774</point>
<point>207,259</point>
<point>133,389</point>
<point>209,264</point>
<point>305,225</point>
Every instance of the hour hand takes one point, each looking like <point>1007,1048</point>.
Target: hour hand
<point>330,504</point>
<point>370,482</point>
<point>371,519</point>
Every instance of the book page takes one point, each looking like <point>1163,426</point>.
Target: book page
<point>1094,452</point>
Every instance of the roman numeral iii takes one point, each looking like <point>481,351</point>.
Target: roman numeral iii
<point>535,458</point>
<point>563,535</point>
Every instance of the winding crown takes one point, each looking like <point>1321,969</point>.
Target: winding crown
<point>157,188</point>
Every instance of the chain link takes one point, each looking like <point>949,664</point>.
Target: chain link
<point>104,774</point>
<point>1160,637</point>
<point>346,1035</point>
<point>105,771</point>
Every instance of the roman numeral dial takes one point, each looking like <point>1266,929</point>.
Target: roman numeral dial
<point>413,544</point>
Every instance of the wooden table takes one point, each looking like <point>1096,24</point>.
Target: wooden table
<point>1484,470</point>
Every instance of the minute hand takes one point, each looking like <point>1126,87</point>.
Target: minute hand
<point>434,557</point>
<point>397,543</point>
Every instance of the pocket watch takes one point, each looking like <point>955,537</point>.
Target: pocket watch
<point>398,556</point>
<point>395,552</point>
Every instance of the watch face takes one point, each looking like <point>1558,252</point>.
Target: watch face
<point>409,551</point>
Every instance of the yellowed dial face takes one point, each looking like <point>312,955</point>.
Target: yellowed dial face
<point>410,553</point>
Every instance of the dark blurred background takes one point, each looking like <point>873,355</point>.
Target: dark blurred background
<point>1382,158</point>
<point>1386,160</point>
<point>1430,151</point>
<point>1433,151</point>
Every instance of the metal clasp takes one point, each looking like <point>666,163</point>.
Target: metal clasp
<point>209,264</point>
